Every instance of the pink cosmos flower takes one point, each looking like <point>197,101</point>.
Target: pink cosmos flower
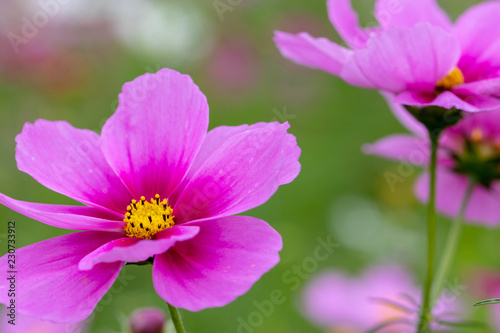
<point>154,184</point>
<point>416,54</point>
<point>468,150</point>
<point>382,294</point>
<point>25,324</point>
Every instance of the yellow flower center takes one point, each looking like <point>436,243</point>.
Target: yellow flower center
<point>455,78</point>
<point>483,147</point>
<point>145,219</point>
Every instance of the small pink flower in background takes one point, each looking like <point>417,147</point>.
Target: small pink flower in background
<point>147,320</point>
<point>341,303</point>
<point>25,324</point>
<point>469,149</point>
<point>234,67</point>
<point>154,184</point>
<point>416,54</point>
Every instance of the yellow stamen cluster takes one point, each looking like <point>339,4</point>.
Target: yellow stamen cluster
<point>455,78</point>
<point>145,219</point>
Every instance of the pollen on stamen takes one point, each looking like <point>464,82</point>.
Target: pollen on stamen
<point>146,219</point>
<point>454,78</point>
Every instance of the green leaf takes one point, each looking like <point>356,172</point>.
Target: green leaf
<point>488,302</point>
<point>463,324</point>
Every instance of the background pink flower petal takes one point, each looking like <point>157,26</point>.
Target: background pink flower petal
<point>448,100</point>
<point>395,60</point>
<point>405,117</point>
<point>479,36</point>
<point>451,187</point>
<point>346,22</point>
<point>313,52</point>
<point>407,13</point>
<point>337,300</point>
<point>401,147</point>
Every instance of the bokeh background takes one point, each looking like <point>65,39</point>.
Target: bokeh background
<point>72,68</point>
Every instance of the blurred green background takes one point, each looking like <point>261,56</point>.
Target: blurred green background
<point>73,70</point>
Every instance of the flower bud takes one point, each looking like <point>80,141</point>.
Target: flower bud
<point>147,320</point>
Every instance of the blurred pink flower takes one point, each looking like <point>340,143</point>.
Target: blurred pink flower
<point>147,320</point>
<point>155,147</point>
<point>234,67</point>
<point>486,284</point>
<point>468,150</point>
<point>416,53</point>
<point>25,324</point>
<point>342,303</point>
<point>44,43</point>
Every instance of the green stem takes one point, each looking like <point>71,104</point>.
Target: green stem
<point>176,318</point>
<point>451,244</point>
<point>423,324</point>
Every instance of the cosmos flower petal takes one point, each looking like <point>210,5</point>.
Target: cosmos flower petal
<point>405,117</point>
<point>335,299</point>
<point>291,166</point>
<point>70,161</point>
<point>66,217</point>
<point>477,30</point>
<point>489,87</point>
<point>487,122</point>
<point>217,136</point>
<point>395,60</point>
<point>450,191</point>
<point>156,132</point>
<point>446,99</point>
<point>401,147</point>
<point>346,22</point>
<point>220,264</point>
<point>128,249</point>
<point>319,53</point>
<point>495,315</point>
<point>409,12</point>
<point>49,284</point>
<point>243,173</point>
